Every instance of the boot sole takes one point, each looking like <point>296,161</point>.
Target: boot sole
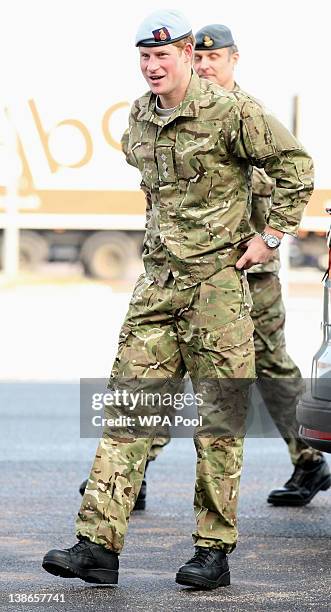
<point>99,576</point>
<point>324,486</point>
<point>204,583</point>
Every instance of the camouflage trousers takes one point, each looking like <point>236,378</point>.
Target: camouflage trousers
<point>205,330</point>
<point>279,378</point>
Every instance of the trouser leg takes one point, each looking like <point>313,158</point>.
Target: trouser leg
<point>113,486</point>
<point>148,351</point>
<point>219,465</point>
<point>279,378</point>
<point>216,340</point>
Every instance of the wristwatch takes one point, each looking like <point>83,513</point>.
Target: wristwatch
<point>271,241</point>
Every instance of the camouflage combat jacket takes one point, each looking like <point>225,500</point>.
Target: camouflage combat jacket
<point>196,173</point>
<point>262,187</point>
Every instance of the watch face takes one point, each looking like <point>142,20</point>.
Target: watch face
<point>272,242</point>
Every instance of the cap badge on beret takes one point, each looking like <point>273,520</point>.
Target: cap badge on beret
<point>161,34</point>
<point>207,41</point>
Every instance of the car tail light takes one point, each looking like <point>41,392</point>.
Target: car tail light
<point>314,433</point>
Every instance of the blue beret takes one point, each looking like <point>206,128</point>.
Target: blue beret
<point>162,28</point>
<point>214,36</point>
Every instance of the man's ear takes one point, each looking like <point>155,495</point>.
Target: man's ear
<point>235,57</point>
<point>188,52</point>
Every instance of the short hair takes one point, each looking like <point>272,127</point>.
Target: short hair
<point>181,43</point>
<point>233,49</point>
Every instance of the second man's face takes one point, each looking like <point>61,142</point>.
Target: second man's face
<point>216,66</point>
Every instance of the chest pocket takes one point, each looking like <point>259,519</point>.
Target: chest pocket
<point>165,164</point>
<point>198,150</point>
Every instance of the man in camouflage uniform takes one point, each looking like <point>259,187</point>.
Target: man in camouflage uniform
<point>215,58</point>
<point>195,145</point>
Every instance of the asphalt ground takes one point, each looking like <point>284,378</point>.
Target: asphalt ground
<point>61,328</point>
<point>282,561</point>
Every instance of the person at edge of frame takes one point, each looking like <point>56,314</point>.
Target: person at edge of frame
<point>215,59</point>
<point>194,144</point>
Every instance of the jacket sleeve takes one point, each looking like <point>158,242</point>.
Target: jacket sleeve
<point>265,142</point>
<point>262,188</point>
<point>130,158</point>
<point>126,142</point>
<point>148,199</point>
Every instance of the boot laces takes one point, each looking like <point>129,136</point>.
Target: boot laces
<point>201,555</point>
<point>300,472</point>
<point>296,477</point>
<point>80,546</point>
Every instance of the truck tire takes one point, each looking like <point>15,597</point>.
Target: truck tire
<point>106,255</point>
<point>33,249</point>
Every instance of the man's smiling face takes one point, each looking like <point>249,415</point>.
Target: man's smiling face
<point>164,68</point>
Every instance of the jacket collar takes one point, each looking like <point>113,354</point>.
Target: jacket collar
<point>189,107</point>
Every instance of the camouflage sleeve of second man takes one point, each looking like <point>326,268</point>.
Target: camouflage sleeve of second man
<point>259,137</point>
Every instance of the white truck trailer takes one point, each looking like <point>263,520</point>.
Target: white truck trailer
<point>67,86</point>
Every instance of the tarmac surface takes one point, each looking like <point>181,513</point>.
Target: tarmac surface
<point>282,561</point>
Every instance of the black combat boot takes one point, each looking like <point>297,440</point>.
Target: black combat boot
<point>307,479</point>
<point>86,560</point>
<point>207,569</point>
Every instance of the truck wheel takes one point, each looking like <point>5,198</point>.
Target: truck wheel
<point>33,249</point>
<point>106,255</point>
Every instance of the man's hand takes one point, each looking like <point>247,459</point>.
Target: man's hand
<point>257,251</point>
